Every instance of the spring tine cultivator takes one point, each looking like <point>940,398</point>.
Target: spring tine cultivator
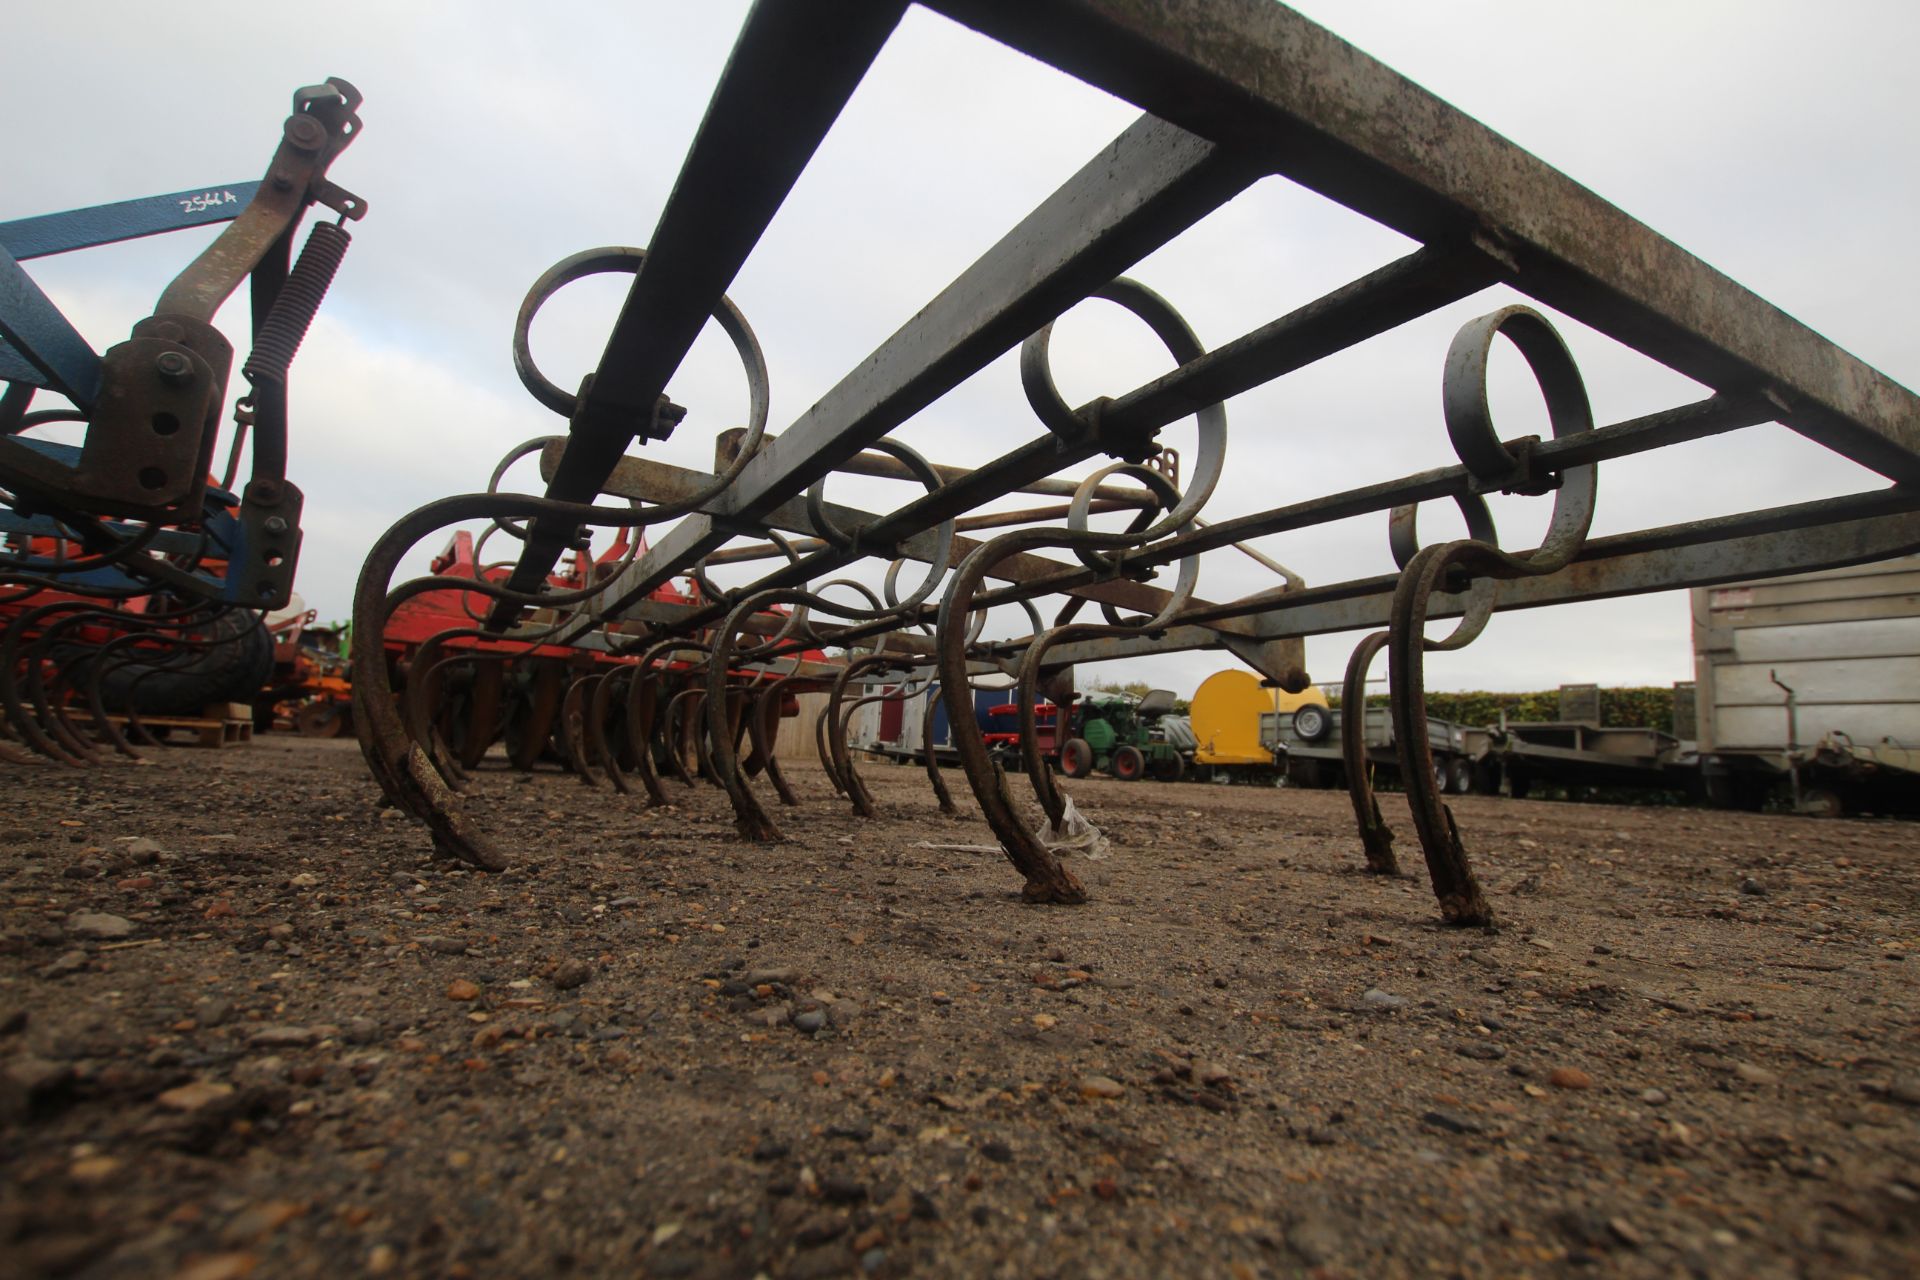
<point>1232,91</point>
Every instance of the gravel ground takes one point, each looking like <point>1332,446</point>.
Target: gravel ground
<point>248,1026</point>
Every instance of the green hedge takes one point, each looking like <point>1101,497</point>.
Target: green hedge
<point>1643,708</point>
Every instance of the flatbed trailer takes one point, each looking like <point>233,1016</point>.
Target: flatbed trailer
<point>1311,738</point>
<point>1519,754</point>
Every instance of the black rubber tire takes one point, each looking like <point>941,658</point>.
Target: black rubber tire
<point>1170,767</point>
<point>1076,758</point>
<point>1460,776</point>
<point>1741,792</point>
<point>233,669</point>
<point>1486,777</point>
<point>1129,764</point>
<point>1308,774</point>
<point>1311,723</point>
<point>1822,802</point>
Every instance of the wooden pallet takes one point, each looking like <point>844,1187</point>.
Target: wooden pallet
<point>217,731</point>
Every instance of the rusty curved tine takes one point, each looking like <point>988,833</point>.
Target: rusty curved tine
<point>573,728</point>
<point>1376,838</point>
<point>765,737</point>
<point>543,704</point>
<point>418,698</point>
<point>675,731</point>
<point>62,689</point>
<point>643,702</point>
<point>105,661</point>
<point>619,741</point>
<point>754,762</point>
<point>1039,769</point>
<point>737,704</point>
<point>750,818</point>
<point>843,752</point>
<point>9,749</point>
<point>46,710</point>
<point>135,725</point>
<point>441,728</point>
<point>826,753</point>
<point>598,748</point>
<point>842,743</point>
<point>697,733</point>
<point>940,792</point>
<point>483,709</point>
<point>838,723</point>
<point>706,734</point>
<point>731,726</point>
<point>426,682</point>
<point>12,666</point>
<point>69,750</point>
<point>1461,901</point>
<point>1046,879</point>
<point>650,724</point>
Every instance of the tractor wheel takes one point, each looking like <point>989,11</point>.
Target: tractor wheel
<point>319,720</point>
<point>1129,765</point>
<point>1076,758</point>
<point>1170,767</point>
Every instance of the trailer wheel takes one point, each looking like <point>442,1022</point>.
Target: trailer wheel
<point>1819,802</point>
<point>1738,791</point>
<point>1076,758</point>
<point>1129,765</point>
<point>1170,767</point>
<point>1460,776</point>
<point>1311,723</point>
<point>1486,777</point>
<point>1306,773</point>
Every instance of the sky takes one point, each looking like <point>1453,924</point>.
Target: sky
<point>1772,140</point>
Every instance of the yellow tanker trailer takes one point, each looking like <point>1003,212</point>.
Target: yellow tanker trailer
<point>1235,722</point>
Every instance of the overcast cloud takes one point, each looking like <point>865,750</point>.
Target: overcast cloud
<point>1773,140</point>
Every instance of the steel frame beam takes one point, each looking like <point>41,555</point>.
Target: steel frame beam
<point>1259,78</point>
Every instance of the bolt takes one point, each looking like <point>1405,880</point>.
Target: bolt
<point>173,367</point>
<point>276,524</point>
<point>281,182</point>
<point>305,132</point>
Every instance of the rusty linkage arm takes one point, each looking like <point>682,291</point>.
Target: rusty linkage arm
<point>128,581</point>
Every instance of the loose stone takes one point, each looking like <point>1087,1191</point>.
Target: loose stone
<point>97,924</point>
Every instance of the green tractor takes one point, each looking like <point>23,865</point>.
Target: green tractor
<point>1120,734</point>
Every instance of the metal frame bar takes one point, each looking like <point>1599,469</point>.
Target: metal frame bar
<point>1258,77</point>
